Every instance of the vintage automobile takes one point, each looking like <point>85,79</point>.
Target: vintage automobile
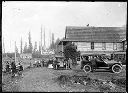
<point>37,63</point>
<point>102,62</point>
<point>59,62</point>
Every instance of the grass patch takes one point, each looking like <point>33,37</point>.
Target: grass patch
<point>119,81</point>
<point>99,84</point>
<point>63,79</point>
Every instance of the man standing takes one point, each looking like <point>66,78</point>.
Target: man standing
<point>42,61</point>
<point>13,68</point>
<point>69,63</point>
<point>56,64</point>
<point>93,61</point>
<point>20,69</point>
<point>66,63</point>
<point>7,67</point>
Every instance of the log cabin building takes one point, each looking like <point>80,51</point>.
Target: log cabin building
<point>97,40</point>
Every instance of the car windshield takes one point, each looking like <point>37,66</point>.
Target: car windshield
<point>105,58</point>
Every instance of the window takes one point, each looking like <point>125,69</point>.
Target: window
<point>103,46</point>
<point>92,45</point>
<point>115,46</point>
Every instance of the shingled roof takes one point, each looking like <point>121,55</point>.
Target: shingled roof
<point>95,34</point>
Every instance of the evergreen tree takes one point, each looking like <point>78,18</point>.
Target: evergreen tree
<point>35,48</point>
<point>30,43</point>
<point>52,45</point>
<point>57,41</point>
<point>53,40</point>
<point>56,45</point>
<point>25,48</point>
<point>39,48</point>
<point>16,50</point>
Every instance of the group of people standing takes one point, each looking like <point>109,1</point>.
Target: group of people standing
<point>66,63</point>
<point>14,69</point>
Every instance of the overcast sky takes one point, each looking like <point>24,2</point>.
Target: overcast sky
<point>18,18</point>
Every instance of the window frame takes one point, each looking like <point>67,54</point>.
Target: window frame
<point>92,45</point>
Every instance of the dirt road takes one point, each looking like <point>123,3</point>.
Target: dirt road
<point>41,80</point>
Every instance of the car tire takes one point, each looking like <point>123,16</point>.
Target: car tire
<point>116,68</point>
<point>87,68</point>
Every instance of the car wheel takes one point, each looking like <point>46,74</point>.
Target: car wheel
<point>116,68</point>
<point>87,68</point>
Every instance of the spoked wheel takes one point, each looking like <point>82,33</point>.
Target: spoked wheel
<point>87,68</point>
<point>116,68</point>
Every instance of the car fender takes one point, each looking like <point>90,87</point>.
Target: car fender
<point>88,63</point>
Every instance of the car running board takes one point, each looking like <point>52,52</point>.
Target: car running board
<point>102,67</point>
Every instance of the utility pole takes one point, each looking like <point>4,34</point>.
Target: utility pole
<point>49,38</point>
<point>44,37</point>
<point>41,39</point>
<point>52,40</point>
